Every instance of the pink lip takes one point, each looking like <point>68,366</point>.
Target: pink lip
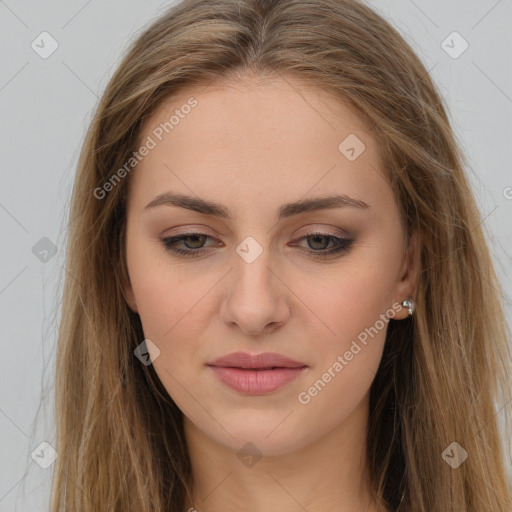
<point>263,360</point>
<point>258,373</point>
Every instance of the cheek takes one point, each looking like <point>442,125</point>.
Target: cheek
<point>353,307</point>
<point>163,298</point>
<point>353,297</point>
<point>174,307</point>
<point>347,340</point>
<point>168,308</point>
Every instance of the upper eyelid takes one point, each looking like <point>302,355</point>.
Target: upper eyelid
<point>313,232</point>
<point>203,230</point>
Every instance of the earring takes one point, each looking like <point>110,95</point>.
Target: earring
<point>409,304</point>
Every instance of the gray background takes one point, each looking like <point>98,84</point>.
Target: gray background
<point>46,106</point>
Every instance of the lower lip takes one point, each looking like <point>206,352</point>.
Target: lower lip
<point>255,382</point>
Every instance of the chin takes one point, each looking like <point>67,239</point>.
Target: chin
<point>262,441</point>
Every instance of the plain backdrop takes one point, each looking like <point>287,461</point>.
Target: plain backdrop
<point>46,105</point>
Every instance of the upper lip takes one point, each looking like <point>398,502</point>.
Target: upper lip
<point>262,360</point>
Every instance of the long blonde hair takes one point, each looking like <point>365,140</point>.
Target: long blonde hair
<point>445,373</point>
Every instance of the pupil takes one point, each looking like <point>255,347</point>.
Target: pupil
<point>317,237</point>
<point>196,238</point>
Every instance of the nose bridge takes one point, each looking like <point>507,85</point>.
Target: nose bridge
<point>255,298</point>
<point>253,274</point>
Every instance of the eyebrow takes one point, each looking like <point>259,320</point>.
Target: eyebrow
<point>287,210</point>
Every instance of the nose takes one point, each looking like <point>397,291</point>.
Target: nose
<point>256,297</point>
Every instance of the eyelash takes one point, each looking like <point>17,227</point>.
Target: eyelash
<point>344,245</point>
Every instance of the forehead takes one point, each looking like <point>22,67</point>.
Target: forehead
<point>262,106</point>
<point>280,137</point>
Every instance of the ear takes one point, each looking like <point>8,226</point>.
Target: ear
<point>406,284</point>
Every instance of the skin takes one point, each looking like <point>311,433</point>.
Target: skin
<point>253,146</point>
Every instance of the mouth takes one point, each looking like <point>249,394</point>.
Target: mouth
<point>261,369</point>
<point>256,374</point>
<point>258,369</point>
<point>260,362</point>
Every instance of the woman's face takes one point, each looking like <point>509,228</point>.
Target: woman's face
<point>266,269</point>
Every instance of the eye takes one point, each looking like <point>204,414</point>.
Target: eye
<point>318,242</point>
<point>317,247</point>
<point>193,243</point>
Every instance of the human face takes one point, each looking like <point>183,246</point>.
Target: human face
<point>256,282</point>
